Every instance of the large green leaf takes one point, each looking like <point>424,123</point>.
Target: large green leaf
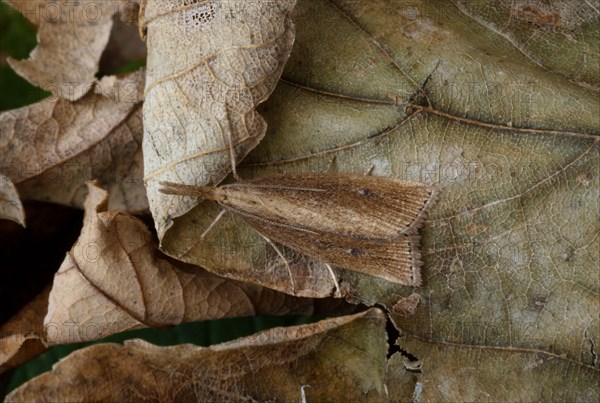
<point>464,97</point>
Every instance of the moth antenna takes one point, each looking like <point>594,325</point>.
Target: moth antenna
<point>180,189</point>
<point>171,188</point>
<point>330,165</point>
<point>287,265</point>
<point>337,292</point>
<point>369,171</point>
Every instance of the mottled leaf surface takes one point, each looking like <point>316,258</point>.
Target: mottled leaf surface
<point>461,372</point>
<point>558,35</point>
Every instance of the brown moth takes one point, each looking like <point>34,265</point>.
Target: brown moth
<point>362,223</point>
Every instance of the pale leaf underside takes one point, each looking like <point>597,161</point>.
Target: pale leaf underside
<point>209,64</point>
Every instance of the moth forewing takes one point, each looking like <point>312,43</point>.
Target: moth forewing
<point>353,206</point>
<point>398,261</point>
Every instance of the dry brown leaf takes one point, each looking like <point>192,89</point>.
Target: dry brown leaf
<point>23,336</point>
<point>71,38</point>
<point>339,359</point>
<point>11,207</point>
<point>52,148</point>
<point>209,64</point>
<point>115,279</point>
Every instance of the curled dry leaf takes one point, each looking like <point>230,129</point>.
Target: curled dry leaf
<point>71,38</point>
<point>114,279</point>
<point>511,248</point>
<point>50,149</point>
<point>209,64</point>
<point>341,358</point>
<point>11,207</point>
<point>23,336</point>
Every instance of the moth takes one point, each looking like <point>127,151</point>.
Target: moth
<point>367,224</point>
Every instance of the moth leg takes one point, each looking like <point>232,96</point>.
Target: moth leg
<point>330,165</point>
<point>338,292</point>
<point>212,224</point>
<point>201,238</point>
<point>287,265</point>
<point>369,171</point>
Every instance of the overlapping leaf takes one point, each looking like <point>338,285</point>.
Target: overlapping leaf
<point>72,36</point>
<point>51,148</point>
<point>209,64</point>
<point>23,336</point>
<point>335,359</point>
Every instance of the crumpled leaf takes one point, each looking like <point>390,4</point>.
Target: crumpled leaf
<point>11,207</point>
<point>423,92</point>
<point>209,64</point>
<point>114,279</point>
<point>340,358</point>
<point>50,149</point>
<point>23,336</point>
<point>71,38</point>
